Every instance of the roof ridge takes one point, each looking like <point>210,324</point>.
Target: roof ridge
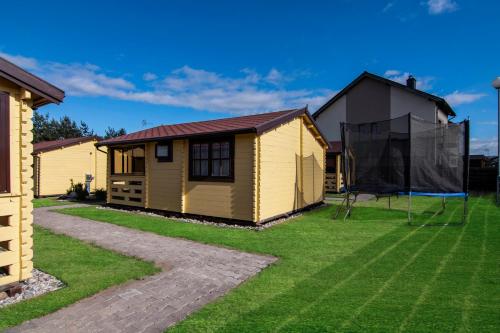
<point>256,123</point>
<point>232,118</point>
<point>190,123</point>
<point>365,74</point>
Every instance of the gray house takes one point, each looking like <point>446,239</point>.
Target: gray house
<point>373,98</point>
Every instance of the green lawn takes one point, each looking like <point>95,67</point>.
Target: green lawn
<point>49,202</point>
<point>371,274</point>
<point>85,269</point>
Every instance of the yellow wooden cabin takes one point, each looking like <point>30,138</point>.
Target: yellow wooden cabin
<point>59,163</point>
<point>20,93</point>
<point>252,168</point>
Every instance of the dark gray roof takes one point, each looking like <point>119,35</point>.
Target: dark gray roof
<point>441,102</point>
<point>45,92</point>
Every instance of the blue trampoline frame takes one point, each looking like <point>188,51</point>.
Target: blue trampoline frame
<point>350,204</point>
<point>443,203</point>
<point>440,195</point>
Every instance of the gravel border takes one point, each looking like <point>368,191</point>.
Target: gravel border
<point>214,224</point>
<point>41,283</point>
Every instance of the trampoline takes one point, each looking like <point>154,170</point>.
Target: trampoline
<point>405,156</point>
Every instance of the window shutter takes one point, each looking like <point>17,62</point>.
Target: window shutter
<point>4,143</point>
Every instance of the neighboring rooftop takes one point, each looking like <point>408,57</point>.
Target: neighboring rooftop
<point>46,146</point>
<point>44,92</point>
<point>441,102</point>
<point>335,147</point>
<point>258,123</point>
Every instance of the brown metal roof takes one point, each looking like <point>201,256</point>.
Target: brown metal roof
<point>440,102</point>
<point>46,146</point>
<point>335,147</point>
<point>44,92</point>
<point>258,123</point>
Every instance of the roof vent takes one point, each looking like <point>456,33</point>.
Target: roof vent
<point>411,82</point>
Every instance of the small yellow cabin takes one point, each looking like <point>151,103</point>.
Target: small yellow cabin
<point>252,168</point>
<point>20,93</point>
<point>59,163</point>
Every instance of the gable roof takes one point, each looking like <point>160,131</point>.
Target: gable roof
<point>258,124</point>
<point>46,146</point>
<point>441,102</point>
<point>44,92</point>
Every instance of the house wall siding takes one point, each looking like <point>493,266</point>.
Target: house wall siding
<point>164,181</point>
<point>404,102</point>
<point>233,200</point>
<point>368,101</point>
<point>16,207</point>
<point>314,164</point>
<point>292,164</point>
<point>59,167</point>
<point>329,120</point>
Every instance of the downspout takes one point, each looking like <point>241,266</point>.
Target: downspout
<point>102,151</point>
<point>301,149</point>
<point>257,178</point>
<point>108,174</point>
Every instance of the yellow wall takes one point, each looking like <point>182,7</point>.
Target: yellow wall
<point>56,168</point>
<point>16,207</point>
<point>222,199</point>
<point>164,179</point>
<point>280,179</point>
<point>275,173</point>
<point>313,163</point>
<point>291,173</point>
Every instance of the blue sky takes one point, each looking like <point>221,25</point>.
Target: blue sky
<point>137,64</point>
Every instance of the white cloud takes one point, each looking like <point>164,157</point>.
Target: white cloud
<point>423,82</point>
<point>483,146</point>
<point>458,98</point>
<point>149,76</point>
<point>436,7</point>
<point>84,80</point>
<point>21,61</point>
<point>388,6</point>
<point>247,93</point>
<point>488,122</point>
<point>276,77</point>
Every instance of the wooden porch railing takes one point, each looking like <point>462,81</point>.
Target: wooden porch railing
<point>127,190</point>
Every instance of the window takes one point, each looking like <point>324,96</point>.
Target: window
<point>163,152</point>
<point>4,143</point>
<point>128,160</point>
<point>212,160</point>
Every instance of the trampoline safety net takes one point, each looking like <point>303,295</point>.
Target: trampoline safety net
<point>405,154</point>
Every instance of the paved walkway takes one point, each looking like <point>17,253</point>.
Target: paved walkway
<point>193,275</point>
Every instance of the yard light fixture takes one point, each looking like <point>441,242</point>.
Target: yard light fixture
<point>496,85</point>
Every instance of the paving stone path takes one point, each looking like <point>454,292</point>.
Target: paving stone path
<point>193,275</point>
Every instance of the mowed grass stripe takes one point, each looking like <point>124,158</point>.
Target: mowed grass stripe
<point>468,299</point>
<point>395,275</point>
<point>485,312</point>
<point>355,273</point>
<point>445,301</point>
<point>386,311</point>
<point>440,268</point>
<point>393,307</point>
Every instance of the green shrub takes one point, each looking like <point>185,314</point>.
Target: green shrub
<point>80,191</point>
<point>100,194</point>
